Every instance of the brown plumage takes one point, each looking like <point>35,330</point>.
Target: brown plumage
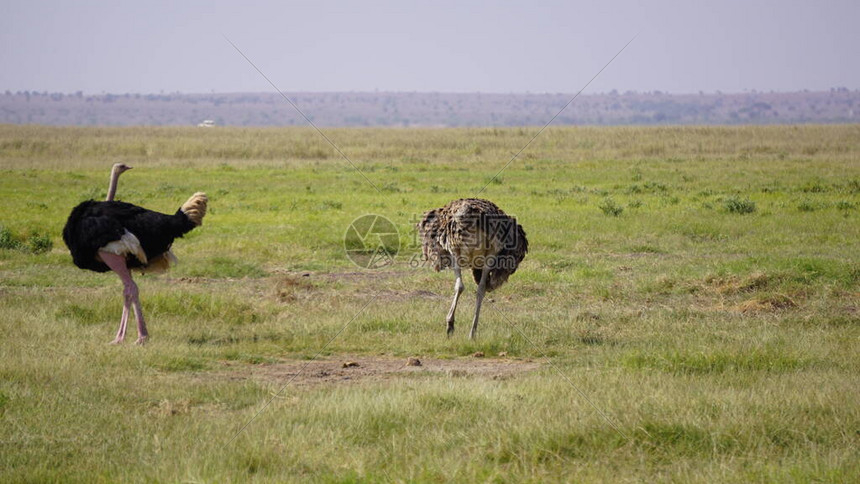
<point>475,234</point>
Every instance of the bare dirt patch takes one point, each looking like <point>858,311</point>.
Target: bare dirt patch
<point>360,276</point>
<point>354,369</point>
<point>392,295</point>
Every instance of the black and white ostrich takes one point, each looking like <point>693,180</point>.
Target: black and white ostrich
<point>118,236</point>
<point>474,234</point>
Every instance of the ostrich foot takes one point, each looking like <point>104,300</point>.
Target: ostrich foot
<point>141,340</point>
<point>116,341</point>
<point>450,328</point>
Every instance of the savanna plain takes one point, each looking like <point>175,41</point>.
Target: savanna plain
<point>689,310</point>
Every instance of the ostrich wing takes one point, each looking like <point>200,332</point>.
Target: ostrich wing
<point>89,228</point>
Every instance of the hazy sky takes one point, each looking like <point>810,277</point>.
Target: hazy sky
<point>448,46</point>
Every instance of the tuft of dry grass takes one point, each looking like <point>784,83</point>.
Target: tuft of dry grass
<point>768,303</point>
<point>290,288</point>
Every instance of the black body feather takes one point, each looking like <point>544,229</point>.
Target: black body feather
<point>92,225</point>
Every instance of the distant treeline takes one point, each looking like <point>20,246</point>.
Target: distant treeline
<point>838,105</point>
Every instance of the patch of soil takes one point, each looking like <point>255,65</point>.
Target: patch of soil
<point>390,295</point>
<point>354,369</point>
<point>343,276</point>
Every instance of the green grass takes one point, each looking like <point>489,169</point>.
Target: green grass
<point>699,286</point>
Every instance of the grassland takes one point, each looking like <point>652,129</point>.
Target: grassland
<point>692,300</point>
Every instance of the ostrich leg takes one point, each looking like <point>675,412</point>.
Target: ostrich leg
<point>130,294</point>
<point>482,288</point>
<point>123,323</point>
<point>458,289</point>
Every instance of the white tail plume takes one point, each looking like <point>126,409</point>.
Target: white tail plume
<point>195,207</point>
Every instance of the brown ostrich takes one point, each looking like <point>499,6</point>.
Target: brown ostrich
<point>475,234</point>
<point>118,236</point>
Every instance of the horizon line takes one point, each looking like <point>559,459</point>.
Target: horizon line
<point>7,92</point>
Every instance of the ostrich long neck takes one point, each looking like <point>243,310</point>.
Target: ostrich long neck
<point>114,176</point>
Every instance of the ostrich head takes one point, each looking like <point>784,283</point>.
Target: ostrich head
<point>117,170</point>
